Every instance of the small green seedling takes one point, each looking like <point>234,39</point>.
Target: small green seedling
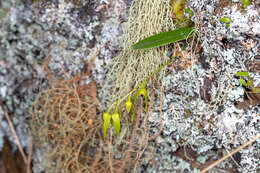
<point>165,38</point>
<point>226,20</point>
<point>247,81</point>
<point>242,73</point>
<point>245,3</point>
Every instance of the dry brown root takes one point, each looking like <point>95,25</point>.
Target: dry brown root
<point>65,116</point>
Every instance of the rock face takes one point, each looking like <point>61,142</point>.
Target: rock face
<point>206,111</point>
<point>40,39</point>
<point>206,107</point>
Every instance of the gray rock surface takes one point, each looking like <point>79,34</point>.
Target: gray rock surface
<point>196,117</point>
<point>208,120</point>
<point>61,34</point>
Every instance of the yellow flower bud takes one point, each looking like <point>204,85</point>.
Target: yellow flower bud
<point>116,121</point>
<point>128,104</point>
<point>106,122</point>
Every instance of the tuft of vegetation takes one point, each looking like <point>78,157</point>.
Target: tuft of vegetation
<point>225,20</point>
<point>128,101</point>
<point>247,81</point>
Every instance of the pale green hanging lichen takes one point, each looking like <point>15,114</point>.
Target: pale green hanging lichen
<point>131,67</point>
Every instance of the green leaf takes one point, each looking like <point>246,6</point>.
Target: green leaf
<point>243,82</point>
<point>245,3</point>
<point>106,122</point>
<point>116,121</point>
<point>242,73</point>
<point>225,19</point>
<point>165,38</point>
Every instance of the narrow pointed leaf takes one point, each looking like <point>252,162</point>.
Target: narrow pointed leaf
<point>243,82</point>
<point>165,38</point>
<point>116,122</point>
<point>242,73</point>
<point>106,122</point>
